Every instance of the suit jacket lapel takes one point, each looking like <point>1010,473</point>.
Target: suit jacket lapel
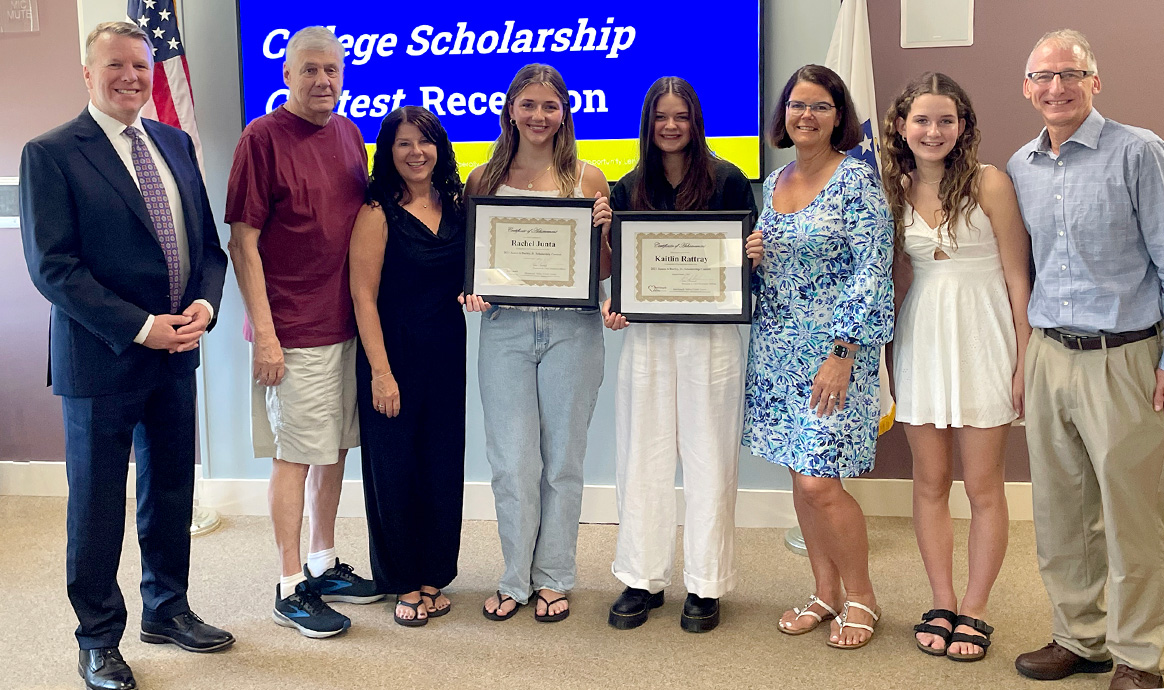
<point>178,164</point>
<point>95,146</point>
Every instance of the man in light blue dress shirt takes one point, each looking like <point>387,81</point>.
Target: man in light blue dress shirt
<point>1091,191</point>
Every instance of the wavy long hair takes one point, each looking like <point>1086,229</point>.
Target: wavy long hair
<point>565,160</point>
<point>959,188</point>
<point>387,188</point>
<point>698,184</point>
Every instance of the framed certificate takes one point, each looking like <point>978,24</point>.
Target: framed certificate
<point>532,251</point>
<point>681,266</point>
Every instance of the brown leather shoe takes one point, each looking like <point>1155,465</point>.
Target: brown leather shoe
<point>1054,662</point>
<point>1127,678</point>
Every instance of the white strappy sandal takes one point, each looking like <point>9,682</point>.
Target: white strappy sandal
<point>807,611</point>
<point>844,619</point>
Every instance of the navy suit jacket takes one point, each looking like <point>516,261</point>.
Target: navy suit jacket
<point>92,252</point>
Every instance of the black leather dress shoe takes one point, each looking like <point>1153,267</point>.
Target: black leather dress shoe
<point>631,608</point>
<point>700,614</point>
<point>188,631</point>
<point>104,669</point>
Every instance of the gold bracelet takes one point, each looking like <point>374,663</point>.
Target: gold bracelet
<point>382,375</point>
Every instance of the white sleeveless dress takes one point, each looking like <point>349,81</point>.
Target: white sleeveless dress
<point>954,351</point>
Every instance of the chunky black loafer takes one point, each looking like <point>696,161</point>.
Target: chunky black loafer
<point>632,607</point>
<point>700,614</point>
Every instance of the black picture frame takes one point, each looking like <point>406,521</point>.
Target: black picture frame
<point>688,218</point>
<point>491,293</point>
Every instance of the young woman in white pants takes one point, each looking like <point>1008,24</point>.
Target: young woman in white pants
<point>680,387</point>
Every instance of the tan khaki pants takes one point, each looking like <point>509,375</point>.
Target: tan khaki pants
<point>1097,470</point>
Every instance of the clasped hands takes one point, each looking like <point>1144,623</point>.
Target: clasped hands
<point>601,216</point>
<point>178,332</point>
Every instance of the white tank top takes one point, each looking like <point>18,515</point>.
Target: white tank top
<point>505,190</point>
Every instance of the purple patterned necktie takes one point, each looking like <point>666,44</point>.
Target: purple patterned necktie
<point>158,206</point>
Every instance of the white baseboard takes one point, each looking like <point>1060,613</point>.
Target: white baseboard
<point>249,497</point>
<point>894,498</point>
<point>754,507</point>
<point>33,479</point>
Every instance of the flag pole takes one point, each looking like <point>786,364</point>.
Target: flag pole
<point>850,56</point>
<point>172,102</point>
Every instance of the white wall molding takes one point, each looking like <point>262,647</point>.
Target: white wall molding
<point>894,498</point>
<point>754,507</point>
<point>33,479</point>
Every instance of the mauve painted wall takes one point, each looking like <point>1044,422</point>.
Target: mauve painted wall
<point>1124,36</point>
<point>1123,33</point>
<point>45,68</point>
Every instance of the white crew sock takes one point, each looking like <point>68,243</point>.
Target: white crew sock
<point>287,584</point>
<point>320,561</point>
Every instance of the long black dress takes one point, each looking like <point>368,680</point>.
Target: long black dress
<point>414,463</point>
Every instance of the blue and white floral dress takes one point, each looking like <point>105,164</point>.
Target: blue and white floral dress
<point>825,275</point>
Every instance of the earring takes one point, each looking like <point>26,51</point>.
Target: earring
<point>512,122</point>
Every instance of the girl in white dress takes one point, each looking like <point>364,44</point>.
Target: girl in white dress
<point>961,333</point>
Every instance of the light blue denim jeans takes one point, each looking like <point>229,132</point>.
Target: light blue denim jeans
<point>539,373</point>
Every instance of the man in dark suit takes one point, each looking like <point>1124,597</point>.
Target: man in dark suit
<point>119,237</point>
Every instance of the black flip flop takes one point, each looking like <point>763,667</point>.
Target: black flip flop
<point>434,612</point>
<point>409,622</point>
<point>926,627</point>
<point>982,640</point>
<point>551,617</point>
<point>501,599</point>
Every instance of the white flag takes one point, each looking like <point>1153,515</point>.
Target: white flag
<point>849,56</point>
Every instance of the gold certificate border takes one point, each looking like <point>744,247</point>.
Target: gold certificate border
<point>643,237</point>
<point>571,223</point>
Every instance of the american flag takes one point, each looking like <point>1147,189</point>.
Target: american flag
<point>173,99</point>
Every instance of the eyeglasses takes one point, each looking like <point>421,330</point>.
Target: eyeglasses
<point>1067,76</point>
<point>816,108</point>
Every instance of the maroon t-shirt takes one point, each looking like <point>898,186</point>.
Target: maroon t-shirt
<point>301,186</point>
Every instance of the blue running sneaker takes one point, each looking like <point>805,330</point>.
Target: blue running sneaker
<point>340,583</point>
<point>305,611</point>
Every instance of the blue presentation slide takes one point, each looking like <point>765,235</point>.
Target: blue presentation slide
<point>457,59</point>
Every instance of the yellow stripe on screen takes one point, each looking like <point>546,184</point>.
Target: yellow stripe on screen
<point>616,157</point>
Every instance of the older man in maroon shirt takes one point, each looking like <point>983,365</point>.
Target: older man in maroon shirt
<point>295,187</point>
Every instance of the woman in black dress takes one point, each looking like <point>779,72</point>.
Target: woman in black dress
<point>407,268</point>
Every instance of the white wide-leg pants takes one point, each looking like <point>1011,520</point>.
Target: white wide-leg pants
<point>679,398</point>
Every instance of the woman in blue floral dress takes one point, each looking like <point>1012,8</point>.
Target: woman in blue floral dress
<point>822,253</point>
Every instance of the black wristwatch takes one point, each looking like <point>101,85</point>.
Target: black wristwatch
<point>841,351</point>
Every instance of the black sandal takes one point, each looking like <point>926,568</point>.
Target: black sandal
<point>433,611</point>
<point>926,627</point>
<point>548,617</point>
<point>409,622</point>
<point>501,599</point>
<point>982,640</point>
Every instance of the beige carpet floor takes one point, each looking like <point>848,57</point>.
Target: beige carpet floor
<point>233,580</point>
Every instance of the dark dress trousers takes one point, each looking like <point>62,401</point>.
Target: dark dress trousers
<point>92,252</point>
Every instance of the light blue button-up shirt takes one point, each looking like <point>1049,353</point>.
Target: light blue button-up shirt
<point>1095,214</point>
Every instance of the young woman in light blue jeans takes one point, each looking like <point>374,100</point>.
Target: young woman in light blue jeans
<point>539,367</point>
